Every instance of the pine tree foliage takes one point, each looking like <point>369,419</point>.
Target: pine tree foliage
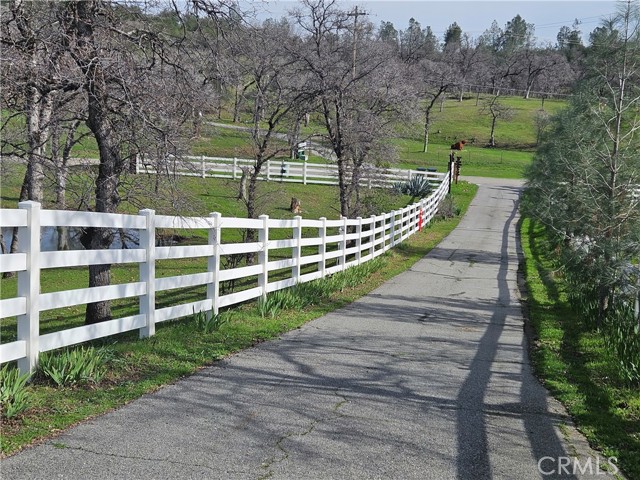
<point>584,184</point>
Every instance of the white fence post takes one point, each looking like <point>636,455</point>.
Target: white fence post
<point>268,170</point>
<point>137,163</point>
<point>372,239</point>
<point>297,249</point>
<point>202,166</point>
<point>359,240</point>
<point>383,225</point>
<point>147,302</point>
<point>235,168</point>
<point>213,263</point>
<point>392,229</point>
<point>343,244</point>
<point>304,173</point>
<point>263,255</point>
<point>29,287</point>
<point>322,248</point>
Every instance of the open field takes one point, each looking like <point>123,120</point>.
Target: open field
<point>515,138</point>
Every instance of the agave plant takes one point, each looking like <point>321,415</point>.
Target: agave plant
<point>417,187</point>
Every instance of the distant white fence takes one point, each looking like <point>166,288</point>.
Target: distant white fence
<point>315,247</point>
<point>284,171</point>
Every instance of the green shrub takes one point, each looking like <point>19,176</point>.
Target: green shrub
<point>447,209</point>
<point>622,337</point>
<point>270,305</point>
<point>14,397</point>
<point>73,366</point>
<point>209,323</point>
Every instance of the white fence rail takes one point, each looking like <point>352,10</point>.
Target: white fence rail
<point>312,249</point>
<point>284,171</point>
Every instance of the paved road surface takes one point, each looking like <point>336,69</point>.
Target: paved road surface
<point>425,378</point>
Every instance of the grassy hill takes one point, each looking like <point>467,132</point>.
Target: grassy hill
<point>515,138</point>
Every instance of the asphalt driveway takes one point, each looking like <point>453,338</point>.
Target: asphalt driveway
<point>427,377</point>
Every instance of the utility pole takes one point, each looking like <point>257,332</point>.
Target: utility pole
<point>355,14</point>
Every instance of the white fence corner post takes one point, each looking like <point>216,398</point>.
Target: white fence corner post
<point>147,302</point>
<point>235,168</point>
<point>263,256</point>
<point>322,248</point>
<point>372,239</point>
<point>213,263</point>
<point>343,244</point>
<point>29,287</point>
<point>359,241</point>
<point>297,249</point>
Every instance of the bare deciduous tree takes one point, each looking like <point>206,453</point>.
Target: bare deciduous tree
<point>496,110</point>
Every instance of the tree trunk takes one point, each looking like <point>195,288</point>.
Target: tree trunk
<point>13,248</point>
<point>236,106</point>
<point>527,93</point>
<point>492,139</point>
<point>343,184</point>
<point>242,191</point>
<point>250,235</point>
<point>111,161</point>
<point>427,124</point>
<point>39,111</point>
<point>294,137</point>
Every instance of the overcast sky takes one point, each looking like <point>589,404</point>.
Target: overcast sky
<point>473,16</point>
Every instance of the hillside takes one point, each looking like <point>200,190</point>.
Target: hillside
<point>515,138</point>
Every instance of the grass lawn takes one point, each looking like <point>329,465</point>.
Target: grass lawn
<point>179,348</point>
<point>573,362</point>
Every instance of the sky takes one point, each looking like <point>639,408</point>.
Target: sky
<point>473,16</point>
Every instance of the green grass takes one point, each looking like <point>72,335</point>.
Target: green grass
<point>464,120</point>
<point>476,161</point>
<point>180,348</point>
<point>200,196</point>
<point>515,138</point>
<point>575,364</point>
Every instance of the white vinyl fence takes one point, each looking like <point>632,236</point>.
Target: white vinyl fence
<point>310,249</point>
<point>283,171</point>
